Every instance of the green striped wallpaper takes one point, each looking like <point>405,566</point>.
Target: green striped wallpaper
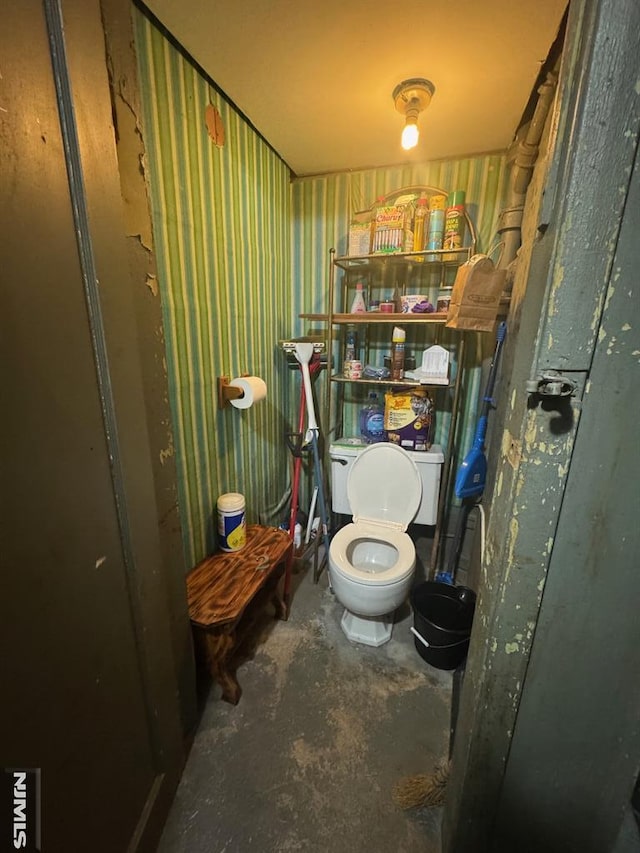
<point>241,251</point>
<point>221,223</point>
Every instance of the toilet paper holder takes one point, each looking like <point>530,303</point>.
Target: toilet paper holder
<point>227,392</point>
<point>241,392</point>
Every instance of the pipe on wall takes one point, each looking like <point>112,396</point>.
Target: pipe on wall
<point>525,156</point>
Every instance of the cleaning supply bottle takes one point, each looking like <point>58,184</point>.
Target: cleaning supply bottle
<point>397,352</point>
<point>409,220</point>
<point>397,300</point>
<point>436,223</point>
<point>372,420</point>
<point>350,347</point>
<point>422,213</point>
<point>359,306</point>
<point>454,224</point>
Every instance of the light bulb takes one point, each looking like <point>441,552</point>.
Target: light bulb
<point>410,136</point>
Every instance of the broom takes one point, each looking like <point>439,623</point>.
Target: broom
<point>430,791</point>
<point>421,790</point>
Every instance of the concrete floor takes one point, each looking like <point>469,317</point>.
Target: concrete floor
<point>309,757</point>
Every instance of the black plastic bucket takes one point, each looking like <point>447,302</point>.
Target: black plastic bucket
<point>442,620</point>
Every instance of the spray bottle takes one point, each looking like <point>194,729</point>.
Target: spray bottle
<point>422,215</point>
<point>358,306</point>
<point>397,352</point>
<point>454,223</point>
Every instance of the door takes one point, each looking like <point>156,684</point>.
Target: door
<point>90,697</point>
<point>547,746</point>
<point>579,713</point>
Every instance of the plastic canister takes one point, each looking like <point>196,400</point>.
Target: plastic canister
<point>232,528</point>
<point>444,301</point>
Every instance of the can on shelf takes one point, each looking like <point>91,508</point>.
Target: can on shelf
<point>444,300</point>
<point>353,369</point>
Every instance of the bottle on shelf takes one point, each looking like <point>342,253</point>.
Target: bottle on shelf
<point>397,352</point>
<point>397,300</point>
<point>372,420</point>
<point>454,223</point>
<point>435,231</point>
<point>359,306</point>
<point>409,207</point>
<point>422,215</point>
<point>350,349</point>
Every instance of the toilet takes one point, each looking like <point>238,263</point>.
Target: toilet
<point>372,560</point>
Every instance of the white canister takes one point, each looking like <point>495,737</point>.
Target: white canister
<point>232,528</point>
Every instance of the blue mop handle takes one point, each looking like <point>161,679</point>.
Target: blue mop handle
<point>487,400</point>
<point>481,432</point>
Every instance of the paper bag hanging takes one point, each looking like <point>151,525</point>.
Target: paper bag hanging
<point>475,297</point>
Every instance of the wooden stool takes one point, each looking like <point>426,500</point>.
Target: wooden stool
<point>225,592</point>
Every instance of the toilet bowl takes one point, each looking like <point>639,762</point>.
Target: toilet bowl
<point>372,560</point>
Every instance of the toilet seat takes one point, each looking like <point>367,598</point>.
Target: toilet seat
<point>346,536</point>
<point>384,490</point>
<point>384,487</point>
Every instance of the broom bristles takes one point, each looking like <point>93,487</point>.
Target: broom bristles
<point>421,790</point>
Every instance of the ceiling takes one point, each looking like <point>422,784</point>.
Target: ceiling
<point>315,77</point>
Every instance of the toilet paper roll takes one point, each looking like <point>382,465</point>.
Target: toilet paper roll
<point>254,389</point>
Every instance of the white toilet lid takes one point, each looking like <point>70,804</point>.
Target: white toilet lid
<point>384,486</point>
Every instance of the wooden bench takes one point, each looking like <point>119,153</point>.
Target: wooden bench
<point>225,592</point>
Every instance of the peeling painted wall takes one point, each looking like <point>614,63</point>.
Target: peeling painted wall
<point>126,111</point>
<point>573,216</point>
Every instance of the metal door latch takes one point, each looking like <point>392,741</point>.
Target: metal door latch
<point>552,383</point>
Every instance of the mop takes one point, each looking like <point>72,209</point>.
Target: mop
<point>296,449</point>
<point>472,473</point>
<point>430,791</point>
<point>425,791</point>
<point>303,353</point>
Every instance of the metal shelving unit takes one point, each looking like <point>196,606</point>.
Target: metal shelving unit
<point>433,322</point>
<point>379,270</point>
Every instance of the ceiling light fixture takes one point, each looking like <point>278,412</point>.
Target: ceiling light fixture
<point>411,97</point>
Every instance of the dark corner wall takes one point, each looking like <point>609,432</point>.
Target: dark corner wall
<point>141,254</point>
<point>95,634</point>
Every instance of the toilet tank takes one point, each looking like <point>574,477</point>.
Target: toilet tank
<point>429,464</point>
